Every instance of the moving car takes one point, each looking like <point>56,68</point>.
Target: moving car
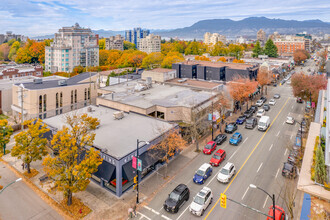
<point>218,157</point>
<point>209,147</point>
<point>248,113</point>
<point>235,139</point>
<point>289,170</point>
<point>279,213</point>
<point>263,123</point>
<point>231,127</point>
<point>219,139</point>
<point>204,172</point>
<point>277,96</point>
<point>201,201</point>
<point>259,103</point>
<point>289,120</point>
<point>177,198</point>
<point>260,112</point>
<point>226,173</point>
<point>241,119</point>
<point>299,100</point>
<point>272,102</point>
<point>266,107</point>
<point>251,123</point>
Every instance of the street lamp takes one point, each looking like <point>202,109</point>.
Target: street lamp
<point>137,171</point>
<point>4,133</point>
<point>19,179</point>
<point>272,197</point>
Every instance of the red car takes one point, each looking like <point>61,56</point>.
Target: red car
<point>210,147</point>
<point>279,213</point>
<point>218,157</point>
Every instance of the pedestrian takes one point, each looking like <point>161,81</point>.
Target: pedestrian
<point>130,213</point>
<point>22,166</point>
<point>134,210</point>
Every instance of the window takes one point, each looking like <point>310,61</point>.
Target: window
<point>61,100</point>
<point>72,97</point>
<point>56,100</point>
<point>40,103</point>
<point>89,93</point>
<point>56,111</point>
<point>45,102</point>
<point>75,96</point>
<point>85,94</point>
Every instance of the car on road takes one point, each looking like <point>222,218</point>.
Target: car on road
<point>240,120</point>
<point>201,201</point>
<point>299,100</point>
<point>260,112</point>
<point>204,172</point>
<point>289,120</point>
<point>289,170</point>
<point>272,102</point>
<point>248,113</point>
<point>263,98</point>
<point>177,198</point>
<point>226,173</point>
<point>279,213</point>
<point>266,107</point>
<point>231,127</point>
<point>277,96</point>
<point>209,147</point>
<point>259,103</point>
<point>251,123</point>
<point>236,138</point>
<point>218,157</point>
<point>253,108</point>
<point>220,138</point>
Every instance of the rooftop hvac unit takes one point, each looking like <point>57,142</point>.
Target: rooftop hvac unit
<point>118,115</point>
<point>62,82</point>
<point>37,81</point>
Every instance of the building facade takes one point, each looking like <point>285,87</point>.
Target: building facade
<point>289,46</point>
<point>214,38</point>
<point>159,74</point>
<point>72,46</point>
<point>9,36</point>
<point>14,70</point>
<point>261,36</point>
<point>134,36</point>
<point>151,43</point>
<point>114,43</point>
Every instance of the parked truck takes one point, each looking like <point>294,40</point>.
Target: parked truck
<point>263,123</point>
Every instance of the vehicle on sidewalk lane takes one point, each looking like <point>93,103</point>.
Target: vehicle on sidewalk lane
<point>236,139</point>
<point>201,201</point>
<point>204,172</point>
<point>220,138</point>
<point>218,157</point>
<point>177,198</point>
<point>251,123</point>
<point>209,147</point>
<point>226,173</point>
<point>231,127</point>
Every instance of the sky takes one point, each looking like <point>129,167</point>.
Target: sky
<point>40,17</point>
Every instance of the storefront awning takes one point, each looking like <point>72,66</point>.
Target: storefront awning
<point>105,171</point>
<point>128,171</point>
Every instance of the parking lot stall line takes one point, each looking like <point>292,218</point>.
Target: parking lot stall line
<point>165,217</point>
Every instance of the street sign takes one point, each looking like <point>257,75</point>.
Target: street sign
<point>210,117</point>
<point>134,162</point>
<point>223,200</point>
<point>139,165</point>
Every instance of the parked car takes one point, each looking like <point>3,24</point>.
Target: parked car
<point>240,120</point>
<point>272,102</point>
<point>289,120</point>
<point>279,213</point>
<point>266,107</point>
<point>288,82</point>
<point>226,173</point>
<point>263,98</point>
<point>218,157</point>
<point>289,170</point>
<point>251,123</point>
<point>201,201</point>
<point>236,138</point>
<point>275,84</point>
<point>231,127</point>
<point>253,108</point>
<point>277,96</point>
<point>292,158</point>
<point>220,138</point>
<point>299,100</point>
<point>248,113</point>
<point>177,198</point>
<point>204,172</point>
<point>209,147</point>
<point>260,112</point>
<point>259,103</point>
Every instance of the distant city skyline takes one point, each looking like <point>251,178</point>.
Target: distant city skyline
<point>37,17</point>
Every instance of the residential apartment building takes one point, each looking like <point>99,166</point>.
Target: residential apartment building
<point>274,36</point>
<point>214,38</point>
<point>114,43</point>
<point>261,36</point>
<point>13,70</point>
<point>150,43</point>
<point>72,46</point>
<point>134,36</point>
<point>43,99</point>
<point>286,47</point>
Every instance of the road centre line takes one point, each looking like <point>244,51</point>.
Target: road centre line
<point>259,167</point>
<point>215,204</point>
<point>265,202</point>
<point>245,140</point>
<point>233,154</point>
<point>247,189</point>
<point>278,170</point>
<point>183,212</point>
<point>271,147</point>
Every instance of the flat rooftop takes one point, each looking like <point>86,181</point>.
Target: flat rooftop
<point>118,137</point>
<point>159,94</point>
<point>241,66</point>
<point>194,83</point>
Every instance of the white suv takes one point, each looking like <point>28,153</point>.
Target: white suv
<point>201,201</point>
<point>259,103</point>
<point>226,173</point>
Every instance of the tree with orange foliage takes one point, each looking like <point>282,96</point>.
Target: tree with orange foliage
<point>241,88</point>
<point>222,59</point>
<point>299,56</point>
<point>264,77</point>
<point>32,52</point>
<point>238,61</point>
<point>222,104</point>
<point>202,58</point>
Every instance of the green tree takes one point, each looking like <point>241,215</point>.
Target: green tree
<point>5,134</point>
<point>129,46</point>
<point>11,42</point>
<point>320,170</point>
<point>257,50</point>
<point>152,60</point>
<point>102,44</point>
<point>172,57</point>
<point>270,48</point>
<point>30,145</point>
<point>236,50</point>
<point>219,49</point>
<point>72,168</point>
<point>195,48</point>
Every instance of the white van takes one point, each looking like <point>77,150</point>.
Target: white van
<point>263,123</point>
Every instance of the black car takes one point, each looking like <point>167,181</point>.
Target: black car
<point>251,123</point>
<point>176,198</point>
<point>289,170</point>
<point>220,139</point>
<point>274,84</point>
<point>266,107</point>
<point>277,96</point>
<point>253,108</point>
<point>231,127</point>
<point>263,98</point>
<point>248,113</point>
<point>299,100</point>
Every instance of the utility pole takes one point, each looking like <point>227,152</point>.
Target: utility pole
<point>212,120</point>
<point>22,109</point>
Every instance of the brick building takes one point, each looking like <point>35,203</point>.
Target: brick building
<point>287,47</point>
<point>14,70</point>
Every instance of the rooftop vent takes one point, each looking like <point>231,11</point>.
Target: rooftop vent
<point>62,82</point>
<point>118,115</point>
<point>37,81</point>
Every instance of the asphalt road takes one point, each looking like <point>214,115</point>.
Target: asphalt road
<point>258,159</point>
<point>309,65</point>
<point>19,201</point>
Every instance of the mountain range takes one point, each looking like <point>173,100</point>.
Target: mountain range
<point>231,29</point>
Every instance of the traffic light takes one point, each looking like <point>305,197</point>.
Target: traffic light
<point>223,200</point>
<point>135,180</point>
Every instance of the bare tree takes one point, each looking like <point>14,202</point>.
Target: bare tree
<point>289,194</point>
